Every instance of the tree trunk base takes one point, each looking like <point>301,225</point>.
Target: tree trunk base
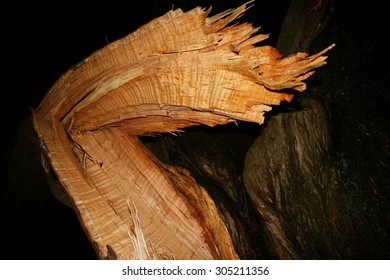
<point>291,179</point>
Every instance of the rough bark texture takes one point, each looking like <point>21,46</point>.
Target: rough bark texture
<point>292,180</point>
<point>320,195</point>
<point>179,70</point>
<point>355,90</point>
<point>304,21</point>
<point>292,183</point>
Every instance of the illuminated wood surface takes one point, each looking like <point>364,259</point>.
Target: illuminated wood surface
<point>179,70</point>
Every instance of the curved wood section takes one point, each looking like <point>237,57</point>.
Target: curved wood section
<point>179,70</point>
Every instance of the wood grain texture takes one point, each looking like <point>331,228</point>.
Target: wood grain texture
<point>180,69</point>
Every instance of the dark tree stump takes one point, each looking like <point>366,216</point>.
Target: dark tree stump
<point>290,177</point>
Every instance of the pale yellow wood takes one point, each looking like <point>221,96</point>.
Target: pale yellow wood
<point>180,69</point>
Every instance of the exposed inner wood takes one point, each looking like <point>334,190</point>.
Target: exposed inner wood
<point>179,70</point>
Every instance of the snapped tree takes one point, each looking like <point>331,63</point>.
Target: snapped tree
<point>179,70</point>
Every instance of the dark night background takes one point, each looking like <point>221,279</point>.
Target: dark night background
<point>40,41</point>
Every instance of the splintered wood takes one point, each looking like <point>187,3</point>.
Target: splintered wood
<point>179,70</point>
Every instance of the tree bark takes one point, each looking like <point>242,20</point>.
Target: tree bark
<point>304,21</point>
<point>319,195</point>
<point>293,184</point>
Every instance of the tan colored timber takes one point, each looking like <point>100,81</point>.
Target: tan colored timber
<point>179,70</point>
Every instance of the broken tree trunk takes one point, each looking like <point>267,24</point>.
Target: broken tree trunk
<point>179,70</point>
<point>294,188</point>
